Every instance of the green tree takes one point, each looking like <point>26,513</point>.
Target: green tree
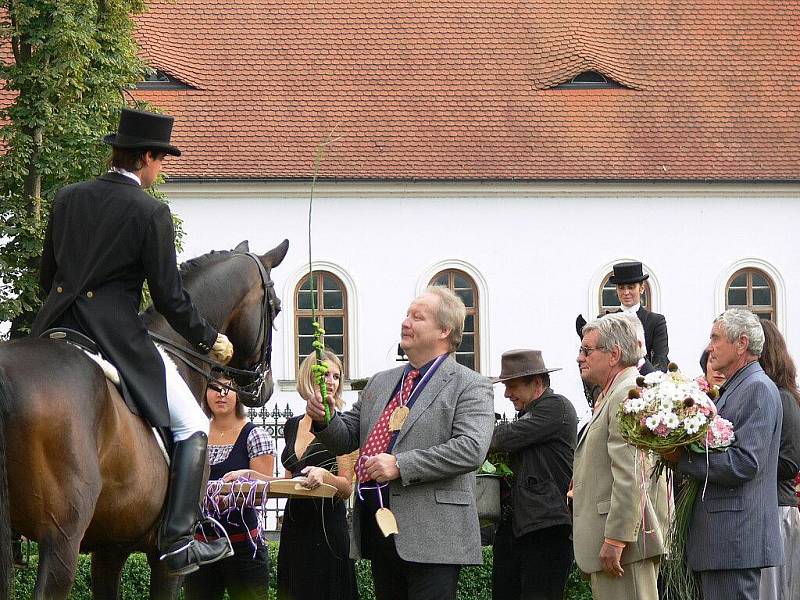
<point>72,62</point>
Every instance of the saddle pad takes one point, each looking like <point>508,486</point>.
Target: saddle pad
<point>89,348</point>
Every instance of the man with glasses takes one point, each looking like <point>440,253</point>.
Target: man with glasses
<point>618,529</point>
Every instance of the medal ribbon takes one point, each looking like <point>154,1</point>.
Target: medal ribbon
<point>380,439</point>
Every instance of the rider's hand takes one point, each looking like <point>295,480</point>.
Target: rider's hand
<point>222,351</point>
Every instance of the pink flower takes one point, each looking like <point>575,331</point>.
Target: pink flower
<point>720,433</point>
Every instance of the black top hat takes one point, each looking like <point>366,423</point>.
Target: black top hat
<point>627,272</point>
<point>141,130</point>
<point>519,363</point>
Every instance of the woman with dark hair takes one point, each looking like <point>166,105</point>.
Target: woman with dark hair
<point>713,377</point>
<point>235,443</point>
<point>783,583</point>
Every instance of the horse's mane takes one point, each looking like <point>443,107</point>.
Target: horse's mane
<point>193,265</point>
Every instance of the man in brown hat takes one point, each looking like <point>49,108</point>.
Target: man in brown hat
<point>105,237</point>
<point>532,547</point>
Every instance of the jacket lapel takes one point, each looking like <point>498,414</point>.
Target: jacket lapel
<point>604,408</point>
<point>744,374</point>
<point>382,395</point>
<point>432,389</point>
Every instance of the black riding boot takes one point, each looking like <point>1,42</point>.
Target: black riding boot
<point>183,554</point>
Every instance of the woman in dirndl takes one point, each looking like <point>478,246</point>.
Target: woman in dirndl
<point>235,443</point>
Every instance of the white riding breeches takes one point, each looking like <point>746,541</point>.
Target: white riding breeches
<point>185,415</point>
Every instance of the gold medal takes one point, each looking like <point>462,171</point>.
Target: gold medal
<point>398,417</point>
<point>385,518</point>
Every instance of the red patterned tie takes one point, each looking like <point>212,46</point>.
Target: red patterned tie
<point>379,437</point>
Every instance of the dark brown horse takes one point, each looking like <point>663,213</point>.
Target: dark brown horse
<point>80,472</point>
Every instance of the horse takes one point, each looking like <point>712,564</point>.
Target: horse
<point>79,472</point>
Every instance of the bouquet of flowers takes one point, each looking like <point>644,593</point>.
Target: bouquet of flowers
<point>670,410</point>
<point>665,412</point>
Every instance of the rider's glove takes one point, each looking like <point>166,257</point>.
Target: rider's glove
<point>222,351</point>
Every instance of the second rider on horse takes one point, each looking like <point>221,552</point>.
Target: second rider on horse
<point>105,237</point>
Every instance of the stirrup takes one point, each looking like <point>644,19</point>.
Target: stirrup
<point>194,559</point>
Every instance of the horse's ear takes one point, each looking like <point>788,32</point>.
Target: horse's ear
<point>242,247</point>
<point>275,256</point>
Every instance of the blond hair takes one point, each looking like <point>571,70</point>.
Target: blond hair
<point>305,379</point>
<point>450,313</point>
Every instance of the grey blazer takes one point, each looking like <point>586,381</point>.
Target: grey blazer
<point>442,443</point>
<point>735,525</point>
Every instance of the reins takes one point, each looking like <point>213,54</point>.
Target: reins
<point>263,366</point>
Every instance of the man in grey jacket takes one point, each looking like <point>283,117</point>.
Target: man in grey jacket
<point>734,529</point>
<point>423,431</point>
<point>532,546</point>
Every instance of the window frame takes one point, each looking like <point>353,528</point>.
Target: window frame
<point>749,271</point>
<point>473,311</point>
<point>322,313</point>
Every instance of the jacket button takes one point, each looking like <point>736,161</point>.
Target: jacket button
<point>59,289</point>
<point>90,295</point>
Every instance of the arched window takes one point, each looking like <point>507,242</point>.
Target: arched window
<point>610,301</point>
<point>463,285</point>
<point>331,308</point>
<point>754,290</point>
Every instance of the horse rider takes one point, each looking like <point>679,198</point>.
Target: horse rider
<point>105,237</point>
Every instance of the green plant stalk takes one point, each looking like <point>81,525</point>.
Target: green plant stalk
<point>680,583</point>
<point>320,368</point>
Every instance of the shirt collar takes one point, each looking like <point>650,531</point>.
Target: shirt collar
<point>736,376</point>
<point>128,174</point>
<point>633,309</point>
<point>423,369</point>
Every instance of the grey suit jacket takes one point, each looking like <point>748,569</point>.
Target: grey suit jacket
<point>735,524</point>
<point>440,446</point>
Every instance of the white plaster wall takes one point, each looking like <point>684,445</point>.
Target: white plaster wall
<point>537,247</point>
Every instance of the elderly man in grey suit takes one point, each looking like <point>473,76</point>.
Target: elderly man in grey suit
<point>734,530</point>
<point>423,430</point>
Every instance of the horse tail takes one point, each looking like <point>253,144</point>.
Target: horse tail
<point>6,565</point>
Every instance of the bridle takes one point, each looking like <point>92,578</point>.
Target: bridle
<point>247,383</point>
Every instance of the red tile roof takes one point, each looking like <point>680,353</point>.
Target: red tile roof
<point>443,89</point>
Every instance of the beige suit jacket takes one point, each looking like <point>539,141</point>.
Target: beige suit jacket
<point>607,482</point>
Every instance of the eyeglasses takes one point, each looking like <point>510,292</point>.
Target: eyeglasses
<point>587,351</point>
<point>222,391</point>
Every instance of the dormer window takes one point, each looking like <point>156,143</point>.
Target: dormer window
<point>159,80</point>
<point>589,80</point>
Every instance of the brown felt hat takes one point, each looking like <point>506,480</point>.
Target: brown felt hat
<point>521,363</point>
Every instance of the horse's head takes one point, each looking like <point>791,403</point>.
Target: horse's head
<point>251,322</point>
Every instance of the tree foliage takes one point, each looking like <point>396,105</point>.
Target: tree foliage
<point>72,62</point>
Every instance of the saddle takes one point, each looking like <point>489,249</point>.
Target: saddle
<point>92,350</point>
<point>88,345</point>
